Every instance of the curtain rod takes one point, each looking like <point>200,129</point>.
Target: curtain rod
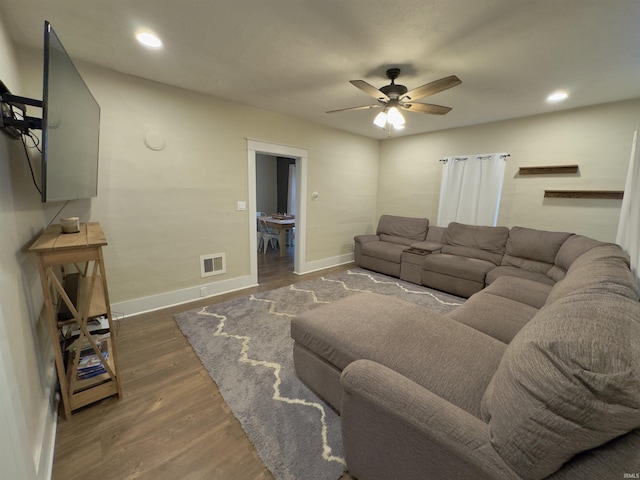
<point>504,156</point>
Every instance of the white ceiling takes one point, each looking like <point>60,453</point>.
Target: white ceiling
<point>297,56</point>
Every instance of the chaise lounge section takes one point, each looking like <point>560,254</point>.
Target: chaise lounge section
<point>536,375</point>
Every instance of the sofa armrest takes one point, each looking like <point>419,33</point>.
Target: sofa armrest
<point>362,239</point>
<point>432,247</point>
<point>394,428</point>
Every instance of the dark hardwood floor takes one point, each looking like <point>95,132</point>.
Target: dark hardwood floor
<point>172,422</point>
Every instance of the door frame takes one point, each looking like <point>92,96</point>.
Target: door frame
<point>300,155</point>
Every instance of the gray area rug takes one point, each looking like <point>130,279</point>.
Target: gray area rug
<point>246,347</point>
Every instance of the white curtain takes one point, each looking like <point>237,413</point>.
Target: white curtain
<point>471,189</point>
<point>628,236</point>
<point>291,195</point>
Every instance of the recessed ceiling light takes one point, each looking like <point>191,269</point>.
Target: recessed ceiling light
<point>149,40</point>
<point>557,97</point>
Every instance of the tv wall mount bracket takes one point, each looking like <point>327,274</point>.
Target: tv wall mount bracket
<point>9,123</point>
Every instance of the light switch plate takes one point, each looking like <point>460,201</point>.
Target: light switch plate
<point>242,205</point>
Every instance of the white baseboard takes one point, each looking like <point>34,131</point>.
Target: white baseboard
<point>45,447</point>
<point>45,465</point>
<point>186,295</point>
<point>326,263</point>
<point>177,297</point>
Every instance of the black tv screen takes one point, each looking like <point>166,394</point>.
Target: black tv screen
<point>70,127</point>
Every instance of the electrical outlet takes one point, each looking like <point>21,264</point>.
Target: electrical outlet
<point>203,291</point>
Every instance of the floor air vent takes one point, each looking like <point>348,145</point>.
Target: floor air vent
<point>213,264</point>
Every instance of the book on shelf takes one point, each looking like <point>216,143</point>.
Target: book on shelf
<point>90,364</point>
<point>94,366</point>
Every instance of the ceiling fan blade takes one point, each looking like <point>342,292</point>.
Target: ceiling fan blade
<point>426,108</point>
<point>369,90</point>
<point>431,88</point>
<point>363,107</point>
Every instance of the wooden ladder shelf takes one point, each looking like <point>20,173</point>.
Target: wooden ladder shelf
<point>69,310</point>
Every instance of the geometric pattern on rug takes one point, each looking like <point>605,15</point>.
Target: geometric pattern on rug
<point>246,347</point>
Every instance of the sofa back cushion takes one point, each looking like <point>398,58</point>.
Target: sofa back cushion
<point>604,251</point>
<point>402,230</point>
<point>484,243</point>
<point>574,247</point>
<point>603,269</point>
<point>568,382</point>
<point>436,234</point>
<point>570,250</point>
<point>531,249</point>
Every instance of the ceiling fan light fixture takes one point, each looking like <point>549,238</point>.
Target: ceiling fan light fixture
<point>394,96</point>
<point>380,120</point>
<point>395,118</point>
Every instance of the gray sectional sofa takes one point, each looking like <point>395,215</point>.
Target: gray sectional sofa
<point>536,375</point>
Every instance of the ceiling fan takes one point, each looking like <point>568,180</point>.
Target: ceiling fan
<point>392,97</point>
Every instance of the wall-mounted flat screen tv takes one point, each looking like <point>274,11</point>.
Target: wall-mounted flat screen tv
<point>70,127</point>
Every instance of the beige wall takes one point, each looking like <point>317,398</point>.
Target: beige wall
<point>161,210</point>
<point>597,138</point>
<point>27,375</point>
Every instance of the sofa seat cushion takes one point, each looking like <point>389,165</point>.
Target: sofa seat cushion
<point>510,271</point>
<point>391,252</point>
<point>528,264</point>
<point>484,243</point>
<point>498,317</point>
<point>424,346</point>
<point>568,382</point>
<point>521,290</point>
<point>455,266</point>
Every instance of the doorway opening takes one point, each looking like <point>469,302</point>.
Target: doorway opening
<point>275,201</point>
<point>257,152</point>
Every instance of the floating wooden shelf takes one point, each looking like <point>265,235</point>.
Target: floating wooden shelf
<point>548,170</point>
<point>605,194</point>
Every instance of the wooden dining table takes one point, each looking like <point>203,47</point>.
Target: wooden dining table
<point>282,225</point>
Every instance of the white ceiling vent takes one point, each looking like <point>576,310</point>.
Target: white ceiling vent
<point>213,264</point>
